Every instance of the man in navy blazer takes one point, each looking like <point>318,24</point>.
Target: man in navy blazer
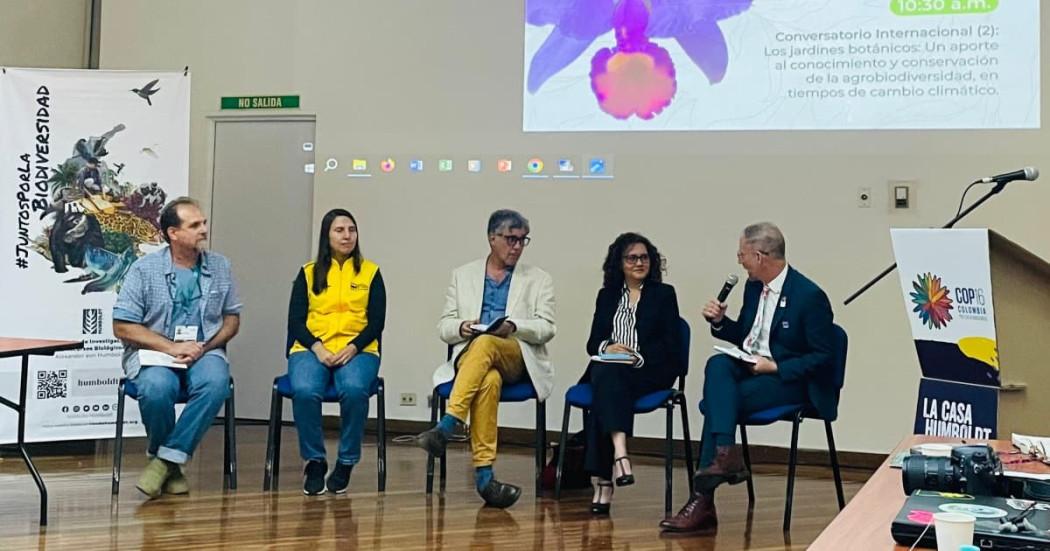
<point>786,325</point>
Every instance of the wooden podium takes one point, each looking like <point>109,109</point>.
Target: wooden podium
<point>979,308</point>
<point>1021,283</point>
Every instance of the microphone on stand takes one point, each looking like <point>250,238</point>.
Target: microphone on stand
<point>1028,173</point>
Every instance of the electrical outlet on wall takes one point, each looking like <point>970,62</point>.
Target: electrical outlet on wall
<point>864,197</point>
<point>408,398</point>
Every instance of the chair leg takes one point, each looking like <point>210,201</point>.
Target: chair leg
<point>381,433</point>
<point>792,461</point>
<point>277,436</point>
<point>541,443</point>
<point>429,458</point>
<point>688,443</point>
<point>443,468</point>
<point>226,447</point>
<point>276,404</point>
<point>118,440</point>
<point>833,453</point>
<point>231,440</point>
<point>669,458</point>
<point>563,440</point>
<point>747,463</point>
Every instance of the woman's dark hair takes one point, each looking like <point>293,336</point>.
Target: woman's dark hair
<point>324,250</point>
<point>613,265</point>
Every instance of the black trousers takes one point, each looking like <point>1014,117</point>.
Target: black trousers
<point>616,387</point>
<point>731,393</point>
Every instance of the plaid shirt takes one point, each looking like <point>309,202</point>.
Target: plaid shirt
<point>146,298</point>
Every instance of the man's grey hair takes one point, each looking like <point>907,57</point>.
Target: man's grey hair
<point>506,219</point>
<point>767,238</point>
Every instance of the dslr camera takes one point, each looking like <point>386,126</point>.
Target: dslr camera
<point>973,470</point>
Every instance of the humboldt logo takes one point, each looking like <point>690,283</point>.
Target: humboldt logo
<point>91,321</point>
<point>933,302</point>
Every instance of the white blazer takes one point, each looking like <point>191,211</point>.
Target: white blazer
<point>530,307</point>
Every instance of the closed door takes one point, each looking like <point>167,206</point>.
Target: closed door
<point>261,219</point>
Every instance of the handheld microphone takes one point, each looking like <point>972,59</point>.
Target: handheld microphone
<point>731,280</point>
<point>1027,173</point>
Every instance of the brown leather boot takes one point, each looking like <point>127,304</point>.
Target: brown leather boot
<point>728,466</point>
<point>698,514</point>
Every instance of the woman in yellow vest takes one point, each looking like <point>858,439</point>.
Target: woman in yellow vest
<point>335,318</point>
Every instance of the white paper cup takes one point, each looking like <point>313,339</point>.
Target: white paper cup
<point>954,530</point>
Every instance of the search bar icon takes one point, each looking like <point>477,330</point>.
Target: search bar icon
<point>331,164</point>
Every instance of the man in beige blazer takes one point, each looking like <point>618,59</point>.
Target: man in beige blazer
<point>487,354</point>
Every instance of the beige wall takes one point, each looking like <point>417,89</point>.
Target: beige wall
<point>44,33</point>
<point>407,78</point>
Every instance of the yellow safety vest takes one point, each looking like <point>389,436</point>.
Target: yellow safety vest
<point>340,312</point>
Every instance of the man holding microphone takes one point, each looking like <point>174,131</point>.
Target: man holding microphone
<point>786,335</point>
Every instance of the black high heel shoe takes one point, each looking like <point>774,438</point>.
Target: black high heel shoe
<point>624,479</point>
<point>597,507</point>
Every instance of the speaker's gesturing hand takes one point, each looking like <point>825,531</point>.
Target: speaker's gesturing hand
<point>714,311</point>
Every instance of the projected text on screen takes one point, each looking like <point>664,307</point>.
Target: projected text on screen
<point>595,65</point>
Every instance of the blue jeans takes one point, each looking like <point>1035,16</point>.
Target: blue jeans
<point>207,382</point>
<point>353,383</point>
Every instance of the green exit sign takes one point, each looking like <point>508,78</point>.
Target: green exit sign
<point>260,102</point>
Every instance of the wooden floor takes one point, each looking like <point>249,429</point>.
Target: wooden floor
<point>83,516</point>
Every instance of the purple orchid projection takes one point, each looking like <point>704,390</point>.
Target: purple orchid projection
<point>636,76</point>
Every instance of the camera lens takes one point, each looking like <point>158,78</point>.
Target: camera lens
<point>930,473</point>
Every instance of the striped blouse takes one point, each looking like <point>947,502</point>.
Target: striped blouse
<point>623,326</point>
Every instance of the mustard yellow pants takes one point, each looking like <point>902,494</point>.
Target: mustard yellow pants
<point>486,364</point>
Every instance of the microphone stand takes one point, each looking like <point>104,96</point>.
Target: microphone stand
<point>999,186</point>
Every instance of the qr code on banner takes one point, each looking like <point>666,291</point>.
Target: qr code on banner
<point>52,384</point>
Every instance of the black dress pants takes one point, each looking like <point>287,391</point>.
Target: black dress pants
<point>616,387</point>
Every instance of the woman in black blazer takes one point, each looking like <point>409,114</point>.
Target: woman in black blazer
<point>636,330</point>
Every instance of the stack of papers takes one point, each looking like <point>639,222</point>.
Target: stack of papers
<point>1032,445</point>
<point>1038,446</point>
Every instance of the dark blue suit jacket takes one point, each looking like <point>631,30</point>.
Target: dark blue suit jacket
<point>802,337</point>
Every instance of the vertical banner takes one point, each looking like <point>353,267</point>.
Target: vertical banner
<point>946,279</point>
<point>87,160</point>
<point>947,282</point>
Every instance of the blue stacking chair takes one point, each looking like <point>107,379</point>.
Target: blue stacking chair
<point>517,392</point>
<point>795,413</point>
<point>582,396</point>
<point>282,388</point>
<point>127,388</point>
